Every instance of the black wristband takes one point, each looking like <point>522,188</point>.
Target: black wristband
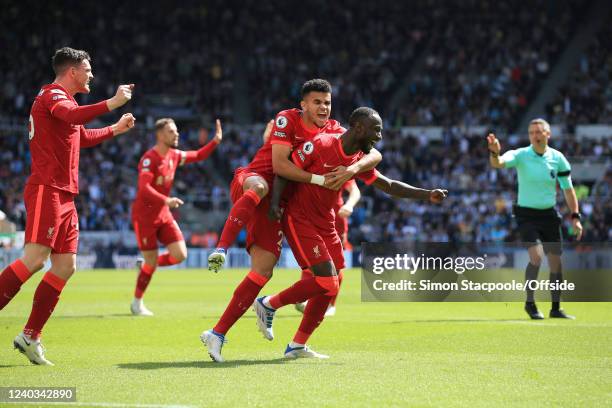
<point>492,153</point>
<point>576,216</point>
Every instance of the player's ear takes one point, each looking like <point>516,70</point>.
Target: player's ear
<point>303,104</point>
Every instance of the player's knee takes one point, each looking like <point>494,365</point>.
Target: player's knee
<point>65,271</point>
<point>34,264</point>
<point>265,272</point>
<point>180,256</point>
<point>535,260</point>
<point>260,189</point>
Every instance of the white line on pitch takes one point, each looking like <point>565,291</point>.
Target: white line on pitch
<point>100,404</point>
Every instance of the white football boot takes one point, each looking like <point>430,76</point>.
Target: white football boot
<point>33,349</point>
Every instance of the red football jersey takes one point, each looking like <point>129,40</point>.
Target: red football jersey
<point>319,156</point>
<point>160,171</point>
<point>289,130</point>
<point>56,135</point>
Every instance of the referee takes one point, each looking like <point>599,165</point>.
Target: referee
<point>539,168</point>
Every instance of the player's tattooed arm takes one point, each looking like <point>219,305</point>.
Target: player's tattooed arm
<point>402,190</point>
<point>341,175</point>
<point>275,212</point>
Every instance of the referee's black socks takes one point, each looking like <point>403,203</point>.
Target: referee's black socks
<point>531,273</point>
<point>555,295</point>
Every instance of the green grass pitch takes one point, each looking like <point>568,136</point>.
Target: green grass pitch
<point>384,354</point>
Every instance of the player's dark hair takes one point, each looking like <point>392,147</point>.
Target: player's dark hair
<point>316,85</point>
<point>360,114</point>
<point>161,123</point>
<point>65,57</point>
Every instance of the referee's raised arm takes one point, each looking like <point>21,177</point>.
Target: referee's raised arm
<point>494,150</point>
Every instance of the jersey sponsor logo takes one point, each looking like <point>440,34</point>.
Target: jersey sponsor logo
<point>302,158</point>
<point>56,97</point>
<point>281,122</point>
<point>146,162</point>
<point>280,134</point>
<point>308,148</point>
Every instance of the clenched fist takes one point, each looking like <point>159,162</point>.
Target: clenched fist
<point>122,96</point>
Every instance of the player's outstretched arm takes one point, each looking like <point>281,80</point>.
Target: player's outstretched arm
<point>275,212</point>
<point>93,137</point>
<point>68,110</point>
<point>341,175</point>
<point>284,167</point>
<point>402,190</point>
<point>494,151</point>
<point>203,153</point>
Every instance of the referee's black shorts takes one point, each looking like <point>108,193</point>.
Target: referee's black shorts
<point>540,225</point>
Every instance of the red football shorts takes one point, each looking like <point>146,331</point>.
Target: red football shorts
<point>261,231</point>
<point>51,218</point>
<point>311,246</point>
<point>148,234</point>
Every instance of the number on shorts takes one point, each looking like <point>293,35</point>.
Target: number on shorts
<point>31,128</point>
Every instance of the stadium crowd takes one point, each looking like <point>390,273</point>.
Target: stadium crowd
<point>587,97</point>
<point>193,61</point>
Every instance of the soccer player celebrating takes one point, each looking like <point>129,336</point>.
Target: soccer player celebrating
<point>539,168</point>
<point>343,211</point>
<point>56,134</point>
<point>250,194</point>
<point>151,216</point>
<point>309,221</point>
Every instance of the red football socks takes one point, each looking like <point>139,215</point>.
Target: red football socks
<point>166,260</point>
<point>313,316</point>
<point>238,217</point>
<point>45,298</point>
<point>144,277</point>
<point>305,289</point>
<point>11,279</point>
<point>243,298</point>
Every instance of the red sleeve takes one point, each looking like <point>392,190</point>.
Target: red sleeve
<point>369,176</point>
<point>92,137</point>
<point>283,131</point>
<point>302,157</point>
<point>148,192</point>
<point>192,156</point>
<point>347,186</point>
<point>68,110</point>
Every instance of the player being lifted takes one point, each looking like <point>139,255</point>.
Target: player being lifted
<point>56,134</point>
<point>309,221</point>
<point>250,194</point>
<point>151,216</point>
